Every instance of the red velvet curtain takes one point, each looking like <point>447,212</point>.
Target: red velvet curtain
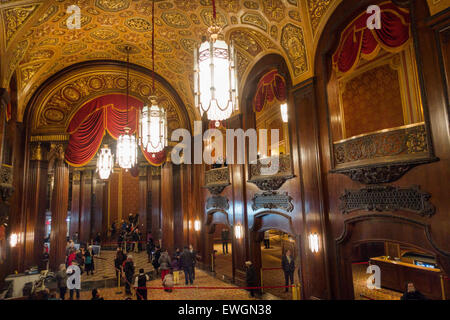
<point>359,41</point>
<point>88,126</point>
<point>271,86</point>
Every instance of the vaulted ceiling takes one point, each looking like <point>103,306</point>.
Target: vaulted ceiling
<point>36,43</point>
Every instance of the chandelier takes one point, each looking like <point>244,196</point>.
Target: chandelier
<point>126,144</point>
<point>153,119</point>
<point>105,162</point>
<point>215,80</point>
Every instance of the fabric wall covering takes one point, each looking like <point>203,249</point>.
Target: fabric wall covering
<point>104,114</point>
<point>359,41</point>
<point>271,86</point>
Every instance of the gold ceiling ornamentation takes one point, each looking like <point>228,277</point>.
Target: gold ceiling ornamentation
<point>317,9</point>
<point>293,42</point>
<point>15,17</point>
<point>274,9</point>
<point>59,103</point>
<point>110,25</point>
<point>254,19</point>
<point>112,5</point>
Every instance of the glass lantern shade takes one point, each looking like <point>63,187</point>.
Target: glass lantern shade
<point>284,112</point>
<point>215,79</point>
<point>153,128</point>
<point>105,163</point>
<point>127,150</point>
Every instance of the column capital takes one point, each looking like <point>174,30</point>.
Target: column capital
<point>57,151</point>
<point>37,152</point>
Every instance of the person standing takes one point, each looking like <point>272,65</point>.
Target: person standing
<point>194,260</point>
<point>96,295</point>
<point>128,269</point>
<point>225,239</point>
<point>288,266</point>
<point>89,261</point>
<point>118,263</point>
<point>61,281</point>
<point>155,261</point>
<point>186,263</point>
<point>411,293</point>
<point>141,285</point>
<point>267,239</point>
<point>164,264</point>
<point>251,278</point>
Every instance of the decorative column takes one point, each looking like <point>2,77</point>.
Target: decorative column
<point>85,206</point>
<point>167,206</point>
<point>98,206</point>
<point>143,200</point>
<point>155,199</point>
<point>59,205</point>
<point>75,205</point>
<point>35,206</point>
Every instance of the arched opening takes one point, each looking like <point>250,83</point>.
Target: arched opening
<point>220,244</point>
<point>271,244</point>
<point>399,264</point>
<point>402,258</point>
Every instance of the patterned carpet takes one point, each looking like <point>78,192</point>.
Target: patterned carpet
<point>104,266</point>
<point>271,258</point>
<point>202,280</point>
<point>363,293</point>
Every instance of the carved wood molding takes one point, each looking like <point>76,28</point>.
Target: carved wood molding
<point>6,182</point>
<point>273,200</point>
<point>387,199</point>
<point>381,173</point>
<point>217,202</point>
<point>271,182</point>
<point>216,180</point>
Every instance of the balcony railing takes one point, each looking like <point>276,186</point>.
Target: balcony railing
<point>216,180</point>
<point>272,181</point>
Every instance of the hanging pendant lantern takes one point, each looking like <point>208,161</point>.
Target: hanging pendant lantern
<point>105,163</point>
<point>153,127</point>
<point>126,144</point>
<point>127,150</point>
<point>153,119</point>
<point>215,77</point>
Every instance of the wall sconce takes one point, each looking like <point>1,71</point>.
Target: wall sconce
<point>284,112</point>
<point>13,240</point>
<point>197,225</point>
<point>238,232</point>
<point>314,242</point>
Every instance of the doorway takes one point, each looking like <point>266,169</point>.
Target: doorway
<point>399,264</point>
<point>222,250</point>
<point>274,245</point>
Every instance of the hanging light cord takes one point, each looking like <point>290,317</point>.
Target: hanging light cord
<point>153,45</point>
<point>214,10</point>
<point>128,78</point>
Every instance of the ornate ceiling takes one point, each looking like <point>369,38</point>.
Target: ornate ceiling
<point>36,43</point>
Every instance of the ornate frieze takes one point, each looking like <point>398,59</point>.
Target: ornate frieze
<point>216,180</point>
<point>275,181</point>
<point>293,42</point>
<point>387,199</point>
<point>217,202</point>
<point>273,200</point>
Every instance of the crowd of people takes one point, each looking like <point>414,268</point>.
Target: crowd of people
<point>167,266</point>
